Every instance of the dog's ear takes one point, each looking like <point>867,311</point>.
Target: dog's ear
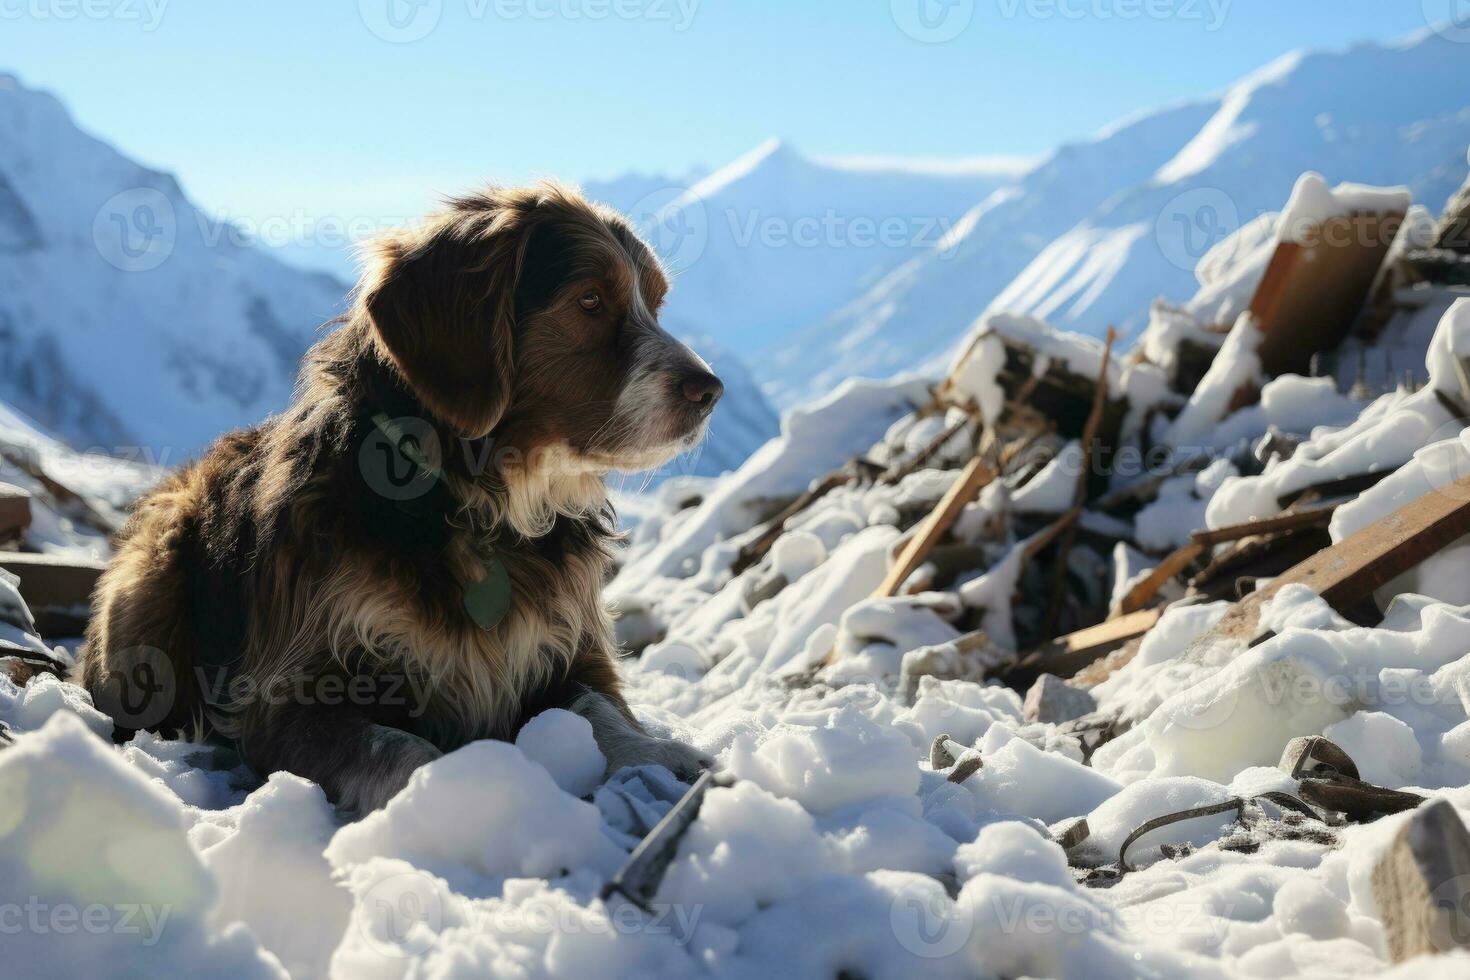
<point>442,306</point>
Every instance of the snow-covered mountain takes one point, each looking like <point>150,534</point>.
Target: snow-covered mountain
<point>128,318</point>
<point>776,240</point>
<point>1102,227</point>
<point>1087,237</point>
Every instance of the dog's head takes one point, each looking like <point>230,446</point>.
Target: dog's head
<point>532,314</point>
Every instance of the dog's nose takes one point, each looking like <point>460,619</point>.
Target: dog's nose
<point>703,389</point>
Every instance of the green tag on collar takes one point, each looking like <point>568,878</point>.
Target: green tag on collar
<point>488,600</point>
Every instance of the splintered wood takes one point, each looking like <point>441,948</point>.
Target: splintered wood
<point>1350,570</point>
<point>1066,655</point>
<point>1142,593</point>
<point>980,471</point>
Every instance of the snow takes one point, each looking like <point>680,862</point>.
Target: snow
<point>562,743</point>
<point>1235,367</point>
<point>1313,204</point>
<point>1054,489</point>
<point>106,483</point>
<point>95,858</point>
<point>273,875</point>
<point>524,826</point>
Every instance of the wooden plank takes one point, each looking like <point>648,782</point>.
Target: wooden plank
<point>57,590</point>
<point>1350,570</point>
<point>980,471</point>
<point>1066,655</point>
<point>1347,486</point>
<point>1142,593</point>
<point>1258,557</point>
<point>1311,293</point>
<point>15,512</point>
<point>1274,282</point>
<point>1291,521</point>
<point>1108,664</point>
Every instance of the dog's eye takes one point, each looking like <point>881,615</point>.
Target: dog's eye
<point>591,302</point>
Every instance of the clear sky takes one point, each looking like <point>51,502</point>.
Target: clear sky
<point>265,106</point>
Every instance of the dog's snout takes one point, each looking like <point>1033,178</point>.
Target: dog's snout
<point>703,389</point>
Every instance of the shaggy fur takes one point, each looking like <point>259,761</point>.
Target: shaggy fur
<point>289,593</point>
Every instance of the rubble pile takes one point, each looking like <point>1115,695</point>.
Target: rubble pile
<point>1153,564</point>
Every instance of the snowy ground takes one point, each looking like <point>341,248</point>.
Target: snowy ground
<point>838,850</point>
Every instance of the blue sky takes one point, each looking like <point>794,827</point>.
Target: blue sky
<point>266,106</point>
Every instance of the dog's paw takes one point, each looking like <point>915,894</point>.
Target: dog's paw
<point>684,761</point>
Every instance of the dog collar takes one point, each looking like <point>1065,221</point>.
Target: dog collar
<point>487,602</point>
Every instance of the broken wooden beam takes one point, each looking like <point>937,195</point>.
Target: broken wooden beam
<point>979,472</point>
<point>72,503</point>
<point>1291,521</point>
<point>753,552</point>
<point>57,590</point>
<point>1346,486</point>
<point>1037,543</point>
<point>1257,558</point>
<point>639,877</point>
<point>1144,591</point>
<point>1066,655</point>
<point>1054,394</point>
<point>898,471</point>
<point>1350,570</point>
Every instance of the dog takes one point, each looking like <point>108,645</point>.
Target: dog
<point>411,556</point>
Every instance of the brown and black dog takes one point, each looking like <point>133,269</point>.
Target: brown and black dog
<point>411,557</point>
